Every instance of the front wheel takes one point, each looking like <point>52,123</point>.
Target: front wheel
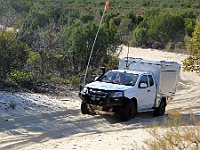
<point>85,108</point>
<point>128,111</point>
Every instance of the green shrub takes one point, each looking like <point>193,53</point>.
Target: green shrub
<point>112,63</point>
<point>56,80</point>
<point>163,5</point>
<point>187,39</point>
<point>180,48</point>
<point>139,37</point>
<point>171,5</point>
<point>19,77</point>
<point>73,80</point>
<point>170,46</point>
<point>53,78</point>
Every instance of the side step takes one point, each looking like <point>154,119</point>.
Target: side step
<point>145,110</point>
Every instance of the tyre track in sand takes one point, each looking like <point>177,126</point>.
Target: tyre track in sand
<point>66,128</point>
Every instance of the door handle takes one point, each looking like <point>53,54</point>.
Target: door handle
<point>148,90</point>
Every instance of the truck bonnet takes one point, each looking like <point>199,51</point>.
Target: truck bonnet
<point>107,86</point>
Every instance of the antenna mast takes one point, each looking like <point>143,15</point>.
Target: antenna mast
<point>105,8</point>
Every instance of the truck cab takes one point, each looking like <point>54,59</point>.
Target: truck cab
<point>129,90</point>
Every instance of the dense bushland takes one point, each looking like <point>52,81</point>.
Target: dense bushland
<point>50,41</point>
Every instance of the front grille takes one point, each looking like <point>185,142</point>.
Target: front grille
<point>97,94</point>
<point>102,98</point>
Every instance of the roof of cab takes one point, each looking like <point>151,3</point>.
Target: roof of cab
<point>132,71</point>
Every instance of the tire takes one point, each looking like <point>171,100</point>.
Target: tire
<point>84,108</point>
<point>128,111</point>
<point>160,111</point>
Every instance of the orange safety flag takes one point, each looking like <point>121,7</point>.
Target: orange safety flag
<point>106,6</point>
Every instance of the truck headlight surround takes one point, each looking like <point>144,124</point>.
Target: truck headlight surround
<point>117,94</point>
<point>85,90</point>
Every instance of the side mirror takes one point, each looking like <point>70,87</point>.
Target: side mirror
<point>143,85</point>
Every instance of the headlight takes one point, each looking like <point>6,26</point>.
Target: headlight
<point>85,90</point>
<point>117,94</point>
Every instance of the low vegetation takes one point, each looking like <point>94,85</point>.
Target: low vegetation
<point>178,131</point>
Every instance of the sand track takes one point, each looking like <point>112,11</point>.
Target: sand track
<point>43,122</point>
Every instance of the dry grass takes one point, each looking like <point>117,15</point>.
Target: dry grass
<point>176,133</point>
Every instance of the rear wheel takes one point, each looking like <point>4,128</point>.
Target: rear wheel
<point>85,108</point>
<point>128,111</point>
<point>161,109</point>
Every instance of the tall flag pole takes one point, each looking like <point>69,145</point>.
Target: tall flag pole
<point>105,8</point>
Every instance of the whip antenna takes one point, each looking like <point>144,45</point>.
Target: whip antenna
<point>106,8</point>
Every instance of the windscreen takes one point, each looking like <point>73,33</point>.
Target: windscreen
<point>122,78</point>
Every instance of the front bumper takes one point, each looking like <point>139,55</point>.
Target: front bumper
<point>104,100</point>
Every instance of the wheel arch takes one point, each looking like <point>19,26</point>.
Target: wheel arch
<point>160,110</point>
<point>134,100</point>
<point>159,100</point>
<point>129,109</point>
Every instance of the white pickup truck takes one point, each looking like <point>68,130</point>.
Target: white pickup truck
<point>137,86</point>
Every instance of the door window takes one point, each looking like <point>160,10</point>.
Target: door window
<point>143,79</point>
<point>151,82</point>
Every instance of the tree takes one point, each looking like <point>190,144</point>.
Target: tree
<point>192,62</point>
<point>13,53</point>
<point>85,17</point>
<point>82,38</point>
<point>109,16</point>
<point>113,38</point>
<point>131,16</point>
<point>166,27</point>
<point>139,37</point>
<point>189,26</point>
<point>44,46</point>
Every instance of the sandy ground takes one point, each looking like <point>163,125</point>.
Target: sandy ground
<point>31,121</point>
